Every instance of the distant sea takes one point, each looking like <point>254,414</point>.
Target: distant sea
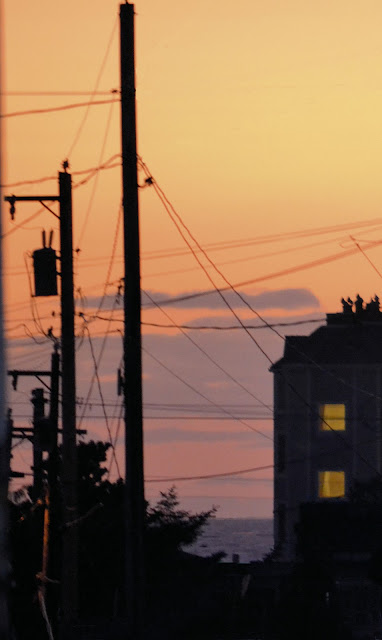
<point>250,538</point>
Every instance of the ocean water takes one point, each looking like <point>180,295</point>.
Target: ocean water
<point>250,538</point>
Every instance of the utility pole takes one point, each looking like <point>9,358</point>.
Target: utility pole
<point>134,520</point>
<point>69,567</point>
<point>5,454</point>
<point>44,435</point>
<point>69,573</point>
<point>55,506</point>
<point>38,402</point>
<point>4,422</point>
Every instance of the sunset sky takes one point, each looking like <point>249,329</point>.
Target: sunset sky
<point>261,122</point>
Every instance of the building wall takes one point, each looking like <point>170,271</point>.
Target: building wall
<point>302,450</point>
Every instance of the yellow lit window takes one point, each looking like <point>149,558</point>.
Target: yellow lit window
<point>332,417</point>
<point>331,484</point>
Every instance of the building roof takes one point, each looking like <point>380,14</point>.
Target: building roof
<point>350,337</point>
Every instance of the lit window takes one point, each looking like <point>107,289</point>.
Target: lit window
<point>332,417</point>
<point>331,484</point>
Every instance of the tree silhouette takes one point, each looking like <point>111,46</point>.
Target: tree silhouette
<point>101,544</point>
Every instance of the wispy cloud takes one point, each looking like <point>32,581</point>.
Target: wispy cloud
<point>285,299</point>
<point>168,434</point>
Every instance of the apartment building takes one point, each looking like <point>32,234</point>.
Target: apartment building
<point>327,416</point>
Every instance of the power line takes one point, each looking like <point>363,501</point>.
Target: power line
<point>95,335</point>
<point>19,306</point>
<point>276,274</point>
<point>64,107</point>
<point>177,221</point>
<point>270,326</point>
<point>166,202</point>
<point>240,471</point>
<point>207,355</point>
<point>193,405</point>
<point>190,327</point>
<point>112,257</point>
<point>95,364</point>
<point>366,256</point>
<point>114,443</point>
<point>212,475</point>
<point>111,260</point>
<point>92,101</point>
<point>95,183</point>
<point>258,256</point>
<point>95,374</point>
<point>148,405</point>
<point>199,417</point>
<point>105,165</point>
<point>207,327</point>
<point>266,239</point>
<point>178,252</point>
<point>58,93</point>
<point>30,358</point>
<point>92,172</point>
<point>202,395</point>
<point>22,224</point>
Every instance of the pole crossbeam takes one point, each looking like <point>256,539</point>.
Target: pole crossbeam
<point>24,372</point>
<point>13,199</point>
<point>16,373</point>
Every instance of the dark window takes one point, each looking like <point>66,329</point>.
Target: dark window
<point>281,522</point>
<point>280,453</point>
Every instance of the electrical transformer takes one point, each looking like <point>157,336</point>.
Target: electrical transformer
<point>45,272</point>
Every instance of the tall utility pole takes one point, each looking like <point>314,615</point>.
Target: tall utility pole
<point>69,568</point>
<point>69,573</point>
<point>134,521</point>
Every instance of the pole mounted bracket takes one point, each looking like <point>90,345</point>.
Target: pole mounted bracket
<point>15,373</point>
<point>13,199</point>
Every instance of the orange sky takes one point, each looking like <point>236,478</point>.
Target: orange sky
<point>255,119</point>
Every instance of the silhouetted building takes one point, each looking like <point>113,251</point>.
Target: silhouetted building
<point>327,422</point>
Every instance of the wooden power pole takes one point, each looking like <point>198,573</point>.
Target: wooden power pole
<point>38,402</point>
<point>69,567</point>
<point>69,572</point>
<point>134,520</point>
